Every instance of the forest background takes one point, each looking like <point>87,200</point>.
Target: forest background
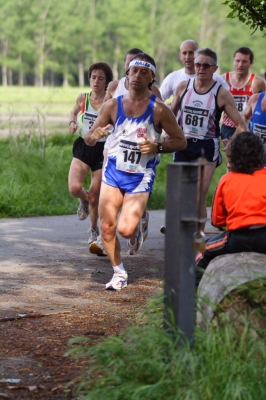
<point>46,48</point>
<point>48,43</point>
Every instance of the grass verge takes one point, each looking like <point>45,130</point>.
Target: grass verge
<point>34,176</point>
<point>145,363</point>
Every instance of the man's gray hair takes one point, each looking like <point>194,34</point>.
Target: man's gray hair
<point>206,51</point>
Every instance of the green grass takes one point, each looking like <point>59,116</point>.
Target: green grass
<point>157,199</point>
<point>34,177</point>
<point>145,363</point>
<point>33,181</point>
<point>31,94</point>
<point>24,100</point>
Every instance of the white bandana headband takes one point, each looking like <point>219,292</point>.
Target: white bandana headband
<point>139,63</point>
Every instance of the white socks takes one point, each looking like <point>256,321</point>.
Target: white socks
<point>119,268</point>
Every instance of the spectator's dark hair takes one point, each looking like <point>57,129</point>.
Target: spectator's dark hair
<point>206,51</point>
<point>247,153</point>
<point>135,50</point>
<point>145,57</point>
<point>246,51</point>
<point>105,68</point>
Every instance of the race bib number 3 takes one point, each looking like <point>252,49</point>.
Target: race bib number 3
<point>88,121</point>
<point>129,157</point>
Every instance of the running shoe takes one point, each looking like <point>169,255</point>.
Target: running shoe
<point>134,244</point>
<point>83,209</point>
<point>145,226</point>
<point>118,281</point>
<point>93,233</point>
<point>96,247</point>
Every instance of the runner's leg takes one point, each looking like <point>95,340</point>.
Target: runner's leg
<point>77,173</point>
<point>207,178</point>
<point>111,199</point>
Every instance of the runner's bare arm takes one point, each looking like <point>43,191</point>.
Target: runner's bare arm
<point>74,112</point>
<point>155,90</point>
<point>259,85</point>
<point>176,102</point>
<point>111,88</point>
<point>247,114</point>
<point>226,102</point>
<point>165,119</point>
<point>105,119</point>
<point>224,77</point>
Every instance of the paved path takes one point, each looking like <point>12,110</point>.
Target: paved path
<point>45,263</point>
<point>47,259</point>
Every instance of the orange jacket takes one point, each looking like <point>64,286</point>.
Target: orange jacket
<point>240,200</point>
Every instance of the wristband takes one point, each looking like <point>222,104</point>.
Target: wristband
<point>71,123</point>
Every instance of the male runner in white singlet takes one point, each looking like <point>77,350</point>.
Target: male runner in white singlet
<point>115,89</point>
<point>171,81</point>
<point>138,119</point>
<point>201,101</point>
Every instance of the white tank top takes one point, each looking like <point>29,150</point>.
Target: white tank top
<point>87,117</point>
<point>121,89</point>
<point>200,114</point>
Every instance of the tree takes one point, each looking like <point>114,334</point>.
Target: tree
<point>251,13</point>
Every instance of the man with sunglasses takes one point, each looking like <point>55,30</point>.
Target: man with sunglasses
<point>201,101</point>
<point>186,55</point>
<point>243,85</point>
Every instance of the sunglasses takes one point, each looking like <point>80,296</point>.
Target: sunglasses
<point>204,65</point>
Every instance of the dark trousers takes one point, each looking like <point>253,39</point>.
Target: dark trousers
<point>238,241</point>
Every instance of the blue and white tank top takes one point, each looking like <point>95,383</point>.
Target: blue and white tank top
<point>258,120</point>
<point>200,114</point>
<point>123,147</point>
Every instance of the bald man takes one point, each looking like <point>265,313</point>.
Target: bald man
<point>186,55</point>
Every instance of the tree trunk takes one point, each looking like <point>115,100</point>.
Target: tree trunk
<point>81,72</point>
<point>65,76</point>
<point>20,72</point>
<point>10,77</point>
<point>20,78</point>
<point>4,68</point>
<point>116,58</point>
<point>4,75</point>
<point>51,78</point>
<point>152,26</point>
<point>204,20</point>
<point>36,77</point>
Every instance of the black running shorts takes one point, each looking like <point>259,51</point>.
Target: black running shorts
<point>90,155</point>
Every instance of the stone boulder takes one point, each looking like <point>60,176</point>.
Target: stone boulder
<point>224,275</point>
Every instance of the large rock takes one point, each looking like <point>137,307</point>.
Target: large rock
<point>223,275</point>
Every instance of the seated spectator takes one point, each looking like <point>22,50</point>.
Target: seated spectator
<point>239,203</point>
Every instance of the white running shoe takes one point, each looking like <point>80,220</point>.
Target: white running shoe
<point>118,281</point>
<point>96,247</point>
<point>83,209</point>
<point>145,226</point>
<point>93,233</point>
<point>134,244</point>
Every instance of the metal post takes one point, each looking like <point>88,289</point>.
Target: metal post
<point>181,218</point>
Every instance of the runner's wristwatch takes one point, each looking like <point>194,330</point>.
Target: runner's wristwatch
<point>160,148</point>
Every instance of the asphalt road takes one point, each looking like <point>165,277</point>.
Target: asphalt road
<point>47,258</point>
